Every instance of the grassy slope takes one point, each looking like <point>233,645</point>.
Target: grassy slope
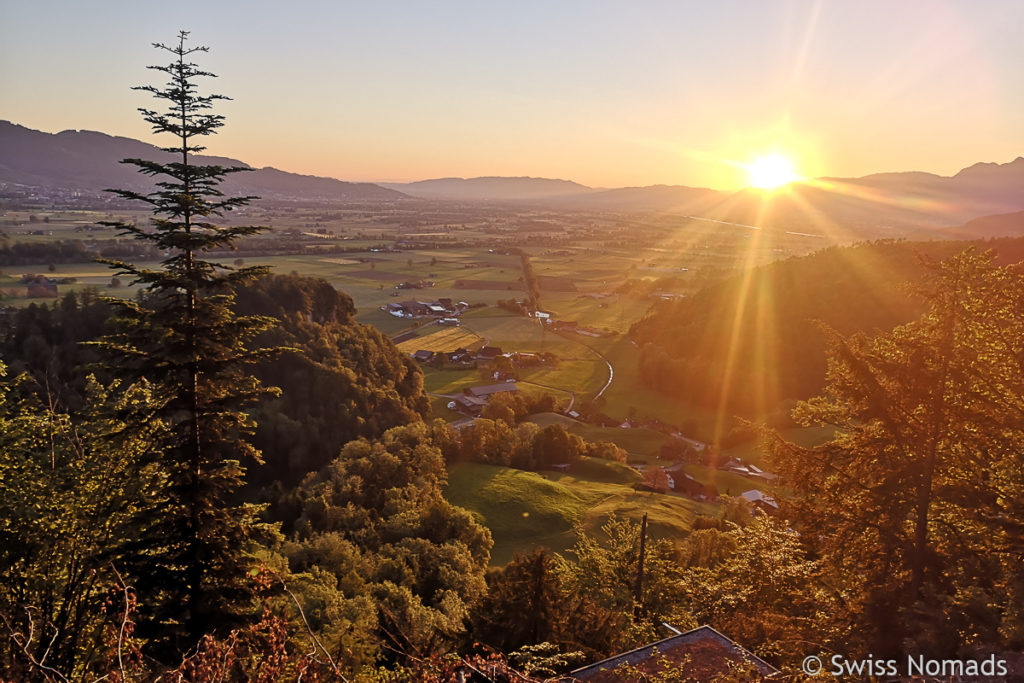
<point>526,510</point>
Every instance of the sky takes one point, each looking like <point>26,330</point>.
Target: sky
<point>608,94</point>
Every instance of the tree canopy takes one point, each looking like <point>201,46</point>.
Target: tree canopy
<point>915,504</point>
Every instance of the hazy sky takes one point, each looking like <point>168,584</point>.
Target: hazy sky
<point>604,93</point>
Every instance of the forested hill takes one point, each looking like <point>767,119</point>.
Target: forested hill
<point>342,381</point>
<point>759,340</point>
<point>345,380</point>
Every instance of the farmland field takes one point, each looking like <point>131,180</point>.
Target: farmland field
<point>444,339</point>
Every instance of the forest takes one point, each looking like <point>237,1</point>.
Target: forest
<point>776,321</point>
<point>229,478</point>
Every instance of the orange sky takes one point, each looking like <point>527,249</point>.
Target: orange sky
<point>604,93</point>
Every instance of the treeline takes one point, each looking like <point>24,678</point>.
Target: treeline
<point>747,344</point>
<point>513,306</point>
<point>526,446</point>
<point>78,251</point>
<point>530,282</point>
<point>72,251</point>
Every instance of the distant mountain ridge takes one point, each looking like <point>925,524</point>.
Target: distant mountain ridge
<point>882,204</point>
<point>1000,225</point>
<point>90,161</point>
<point>888,204</point>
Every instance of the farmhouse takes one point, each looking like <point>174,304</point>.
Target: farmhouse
<point>687,485</point>
<point>737,466</point>
<point>419,309</point>
<point>423,356</point>
<point>472,400</point>
<point>470,405</point>
<point>488,390</point>
<point>760,501</point>
<point>489,353</point>
<point>460,355</point>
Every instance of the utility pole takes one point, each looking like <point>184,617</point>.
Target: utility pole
<point>638,594</point>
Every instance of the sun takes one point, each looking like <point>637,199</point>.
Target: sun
<point>771,171</point>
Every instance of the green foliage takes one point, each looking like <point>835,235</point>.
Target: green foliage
<point>524,605</point>
<point>344,380</point>
<point>375,519</point>
<point>494,442</point>
<point>544,659</point>
<point>915,504</point>
<point>530,282</point>
<point>605,569</point>
<point>756,583</point>
<point>73,494</point>
<point>45,342</point>
<point>527,446</point>
<point>584,600</point>
<point>511,407</point>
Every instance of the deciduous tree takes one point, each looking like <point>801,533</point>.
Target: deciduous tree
<point>72,495</point>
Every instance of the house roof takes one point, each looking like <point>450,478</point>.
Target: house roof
<point>755,496</point>
<point>471,401</point>
<point>488,389</point>
<point>405,336</point>
<point>489,352</point>
<point>701,654</point>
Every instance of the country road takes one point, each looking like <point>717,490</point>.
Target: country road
<point>611,370</point>
<point>750,227</point>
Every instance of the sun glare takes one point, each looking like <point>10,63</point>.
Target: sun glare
<point>771,171</point>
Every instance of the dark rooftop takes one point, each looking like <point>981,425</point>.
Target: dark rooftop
<point>700,654</point>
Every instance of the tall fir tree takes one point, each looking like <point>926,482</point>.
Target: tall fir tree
<point>914,505</point>
<point>183,338</point>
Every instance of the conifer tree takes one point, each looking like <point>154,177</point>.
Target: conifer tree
<point>914,504</point>
<point>182,336</point>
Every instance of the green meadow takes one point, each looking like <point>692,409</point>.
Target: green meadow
<point>527,510</point>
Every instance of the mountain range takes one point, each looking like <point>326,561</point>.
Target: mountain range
<point>87,161</point>
<point>881,204</point>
